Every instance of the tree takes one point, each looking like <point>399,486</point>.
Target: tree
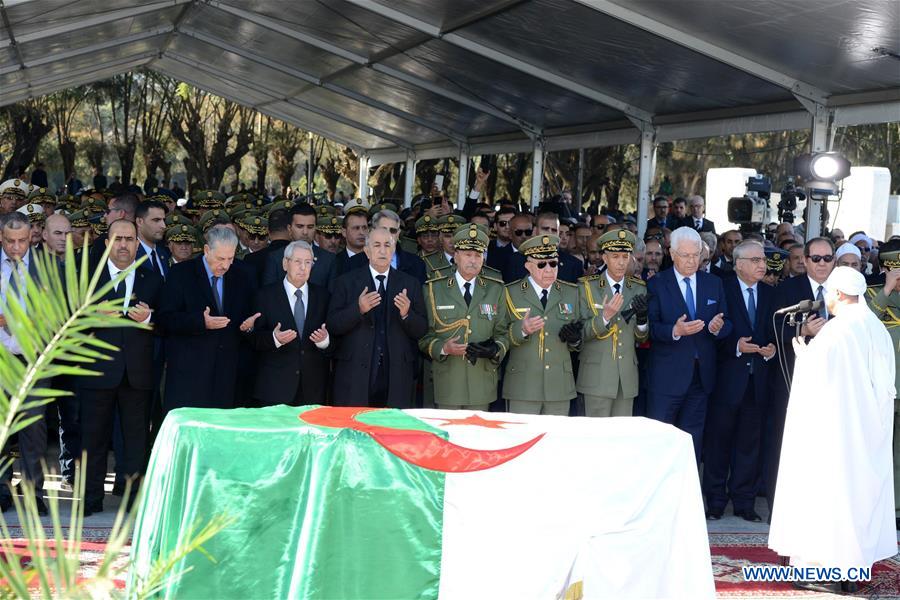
<point>64,107</point>
<point>513,172</point>
<point>215,133</point>
<point>261,150</point>
<point>329,166</point>
<point>123,93</point>
<point>348,167</point>
<point>27,124</point>
<point>286,143</point>
<point>155,130</point>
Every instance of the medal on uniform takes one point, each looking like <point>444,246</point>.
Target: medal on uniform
<point>488,310</point>
<point>565,309</point>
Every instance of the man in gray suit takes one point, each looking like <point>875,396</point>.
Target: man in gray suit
<point>17,264</point>
<point>303,227</point>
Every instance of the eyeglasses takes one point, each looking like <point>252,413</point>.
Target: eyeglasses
<point>864,248</point>
<point>521,232</point>
<point>756,260</point>
<point>392,230</point>
<point>817,258</point>
<point>546,263</point>
<point>693,256</point>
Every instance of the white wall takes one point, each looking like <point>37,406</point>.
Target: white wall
<point>864,204</point>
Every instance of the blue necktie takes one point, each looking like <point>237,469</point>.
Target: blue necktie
<point>751,308</point>
<point>689,297</point>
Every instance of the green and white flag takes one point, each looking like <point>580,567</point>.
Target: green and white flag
<point>333,502</point>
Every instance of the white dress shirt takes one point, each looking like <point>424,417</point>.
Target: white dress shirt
<point>461,282</point>
<point>7,340</point>
<point>291,292</point>
<point>679,279</point>
<point>375,275</point>
<point>537,289</point>
<point>745,294</point>
<point>129,285</point>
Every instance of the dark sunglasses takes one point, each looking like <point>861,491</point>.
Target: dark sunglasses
<point>546,263</point>
<point>521,232</point>
<point>864,248</point>
<point>817,258</point>
<point>393,230</point>
<point>255,236</point>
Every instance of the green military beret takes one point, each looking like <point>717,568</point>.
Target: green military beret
<point>254,224</point>
<point>470,237</point>
<point>540,247</point>
<point>426,224</point>
<point>617,240</point>
<point>216,216</point>
<point>449,223</point>
<point>41,196</point>
<point>329,224</point>
<point>182,233</point>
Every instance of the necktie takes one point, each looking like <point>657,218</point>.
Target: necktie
<point>689,297</point>
<point>154,258</point>
<point>468,295</point>
<point>820,296</point>
<point>751,307</point>
<point>696,223</point>
<point>299,312</point>
<point>617,287</point>
<point>118,290</point>
<point>544,299</point>
<point>381,279</point>
<point>452,262</point>
<point>216,298</point>
<point>13,281</point>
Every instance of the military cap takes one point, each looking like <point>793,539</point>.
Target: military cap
<point>449,223</point>
<point>176,218</point>
<point>239,197</point>
<point>212,217</point>
<point>617,240</point>
<point>41,196</point>
<point>14,187</point>
<point>470,237</point>
<point>254,224</point>
<point>79,218</point>
<point>540,247</point>
<point>481,227</point>
<point>94,206</point>
<point>68,202</point>
<point>380,207</point>
<point>98,224</point>
<point>34,212</point>
<point>775,259</point>
<point>161,195</point>
<point>283,204</point>
<point>889,254</point>
<point>329,224</point>
<point>208,200</point>
<point>325,210</point>
<point>182,233</point>
<point>239,208</point>
<point>425,224</point>
<point>356,205</point>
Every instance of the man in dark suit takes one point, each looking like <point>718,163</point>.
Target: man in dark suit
<point>819,262</point>
<point>500,248</point>
<point>290,335</point>
<point>279,222</point>
<point>356,227</point>
<point>150,219</point>
<point>204,302</point>
<point>121,206</point>
<point>661,218</point>
<point>734,422</point>
<point>570,268</point>
<point>126,382</point>
<point>17,263</point>
<point>377,315</point>
<point>688,314</point>
<point>696,219</point>
<point>405,262</point>
<point>302,227</point>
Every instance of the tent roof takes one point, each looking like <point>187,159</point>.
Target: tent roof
<point>392,77</point>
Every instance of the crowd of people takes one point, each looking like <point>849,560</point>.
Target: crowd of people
<point>253,301</point>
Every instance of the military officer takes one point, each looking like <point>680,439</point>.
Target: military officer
<point>544,328</point>
<point>443,257</point>
<point>43,197</point>
<point>467,323</point>
<point>37,218</point>
<point>329,230</point>
<point>180,240</point>
<point>13,194</point>
<point>615,308</point>
<point>428,237</point>
<point>884,300</point>
<point>487,271</point>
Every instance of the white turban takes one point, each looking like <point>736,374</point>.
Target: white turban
<point>847,249</point>
<point>861,237</point>
<point>847,280</point>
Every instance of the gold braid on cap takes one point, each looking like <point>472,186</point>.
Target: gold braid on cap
<point>890,263</point>
<point>617,245</point>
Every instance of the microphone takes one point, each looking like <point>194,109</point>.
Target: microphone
<point>803,306</point>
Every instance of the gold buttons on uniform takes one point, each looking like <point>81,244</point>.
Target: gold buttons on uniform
<point>547,366</point>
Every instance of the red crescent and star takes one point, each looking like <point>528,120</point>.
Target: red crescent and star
<point>423,448</point>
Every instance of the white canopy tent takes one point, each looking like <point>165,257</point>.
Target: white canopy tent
<point>404,80</point>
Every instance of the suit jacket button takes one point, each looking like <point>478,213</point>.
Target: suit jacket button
<point>297,372</point>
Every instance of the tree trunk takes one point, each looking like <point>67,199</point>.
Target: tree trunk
<point>28,127</point>
<point>67,152</point>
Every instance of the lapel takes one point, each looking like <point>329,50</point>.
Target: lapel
<point>554,298</point>
<point>675,289</point>
<point>745,316</point>
<point>203,285</point>
<point>531,297</point>
<point>283,308</point>
<point>312,308</point>
<point>478,293</point>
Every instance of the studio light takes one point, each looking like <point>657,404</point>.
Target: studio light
<point>822,166</point>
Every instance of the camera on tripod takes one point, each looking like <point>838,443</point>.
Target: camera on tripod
<point>751,210</point>
<point>788,203</point>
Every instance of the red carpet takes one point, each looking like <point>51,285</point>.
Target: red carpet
<point>93,544</point>
<point>731,551</point>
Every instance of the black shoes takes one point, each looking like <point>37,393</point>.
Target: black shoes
<point>714,514</point>
<point>748,515</point>
<point>118,488</point>
<point>6,503</point>
<point>94,507</point>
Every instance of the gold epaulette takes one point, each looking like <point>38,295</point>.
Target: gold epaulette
<point>518,282</point>
<point>438,278</point>
<point>584,278</point>
<point>637,280</point>
<point>494,279</point>
<point>562,282</point>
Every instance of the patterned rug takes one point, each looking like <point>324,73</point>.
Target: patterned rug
<point>731,551</point>
<point>93,544</point>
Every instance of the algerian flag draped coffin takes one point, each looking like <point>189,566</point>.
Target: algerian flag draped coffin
<point>329,502</point>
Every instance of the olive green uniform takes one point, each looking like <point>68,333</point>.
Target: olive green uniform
<point>887,308</point>
<point>539,378</point>
<point>608,373</point>
<point>436,262</point>
<point>457,382</point>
